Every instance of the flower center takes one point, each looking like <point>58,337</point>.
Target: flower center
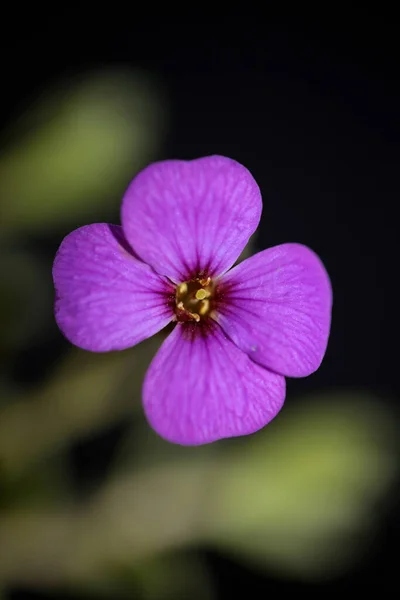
<point>193,300</point>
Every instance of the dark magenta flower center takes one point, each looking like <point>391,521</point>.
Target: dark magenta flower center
<point>194,300</point>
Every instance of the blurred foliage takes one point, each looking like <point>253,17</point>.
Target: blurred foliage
<point>175,575</point>
<point>22,274</point>
<point>77,147</point>
<point>299,497</point>
<point>87,391</point>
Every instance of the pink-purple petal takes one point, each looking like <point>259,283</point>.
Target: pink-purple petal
<point>200,388</point>
<point>106,299</point>
<point>200,212</point>
<point>277,308</point>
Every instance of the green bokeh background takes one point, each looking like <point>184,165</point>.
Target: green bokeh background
<point>302,499</point>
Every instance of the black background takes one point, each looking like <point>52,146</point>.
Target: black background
<point>313,111</point>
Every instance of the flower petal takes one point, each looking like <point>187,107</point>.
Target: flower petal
<point>277,308</point>
<point>106,299</point>
<point>200,388</point>
<point>202,213</point>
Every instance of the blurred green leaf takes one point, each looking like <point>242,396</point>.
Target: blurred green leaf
<point>86,392</point>
<point>81,146</point>
<point>40,487</point>
<point>301,493</point>
<point>167,577</point>
<point>299,496</point>
<point>22,276</point>
<point>133,520</point>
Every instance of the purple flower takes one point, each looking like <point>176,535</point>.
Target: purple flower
<point>238,332</point>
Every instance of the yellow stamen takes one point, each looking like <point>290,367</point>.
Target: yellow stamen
<point>194,299</point>
<point>205,282</point>
<point>201,294</point>
<point>183,288</point>
<point>204,307</point>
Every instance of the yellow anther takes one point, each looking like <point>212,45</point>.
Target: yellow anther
<point>194,300</point>
<point>205,282</point>
<point>201,294</point>
<point>204,307</point>
<point>183,288</point>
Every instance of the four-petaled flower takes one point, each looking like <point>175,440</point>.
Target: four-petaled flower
<point>238,333</point>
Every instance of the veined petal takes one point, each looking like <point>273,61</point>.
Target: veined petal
<point>200,388</point>
<point>106,299</point>
<point>277,308</point>
<point>201,212</point>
